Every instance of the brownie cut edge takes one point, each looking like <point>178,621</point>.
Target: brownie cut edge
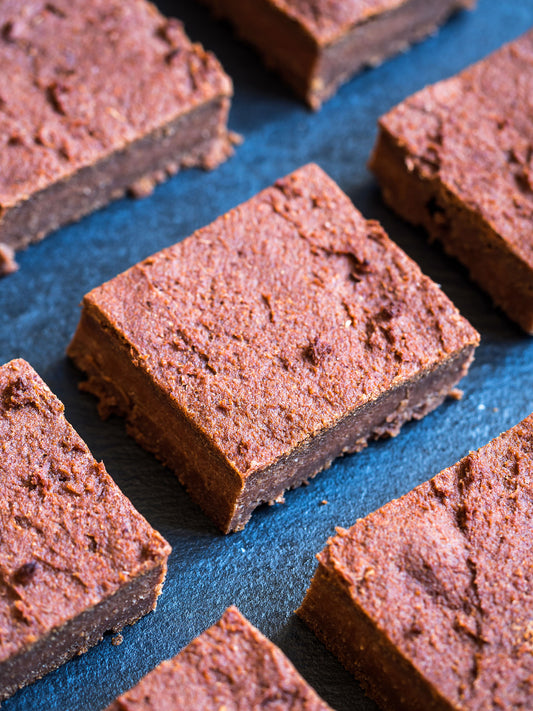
<point>76,559</point>
<point>250,355</point>
<point>231,665</point>
<point>457,159</point>
<point>429,600</point>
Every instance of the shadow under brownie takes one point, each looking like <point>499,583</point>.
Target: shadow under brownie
<point>250,355</point>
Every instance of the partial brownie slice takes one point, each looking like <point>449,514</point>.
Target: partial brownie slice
<point>253,353</point>
<point>97,98</point>
<point>76,559</point>
<point>457,158</point>
<point>429,600</point>
<point>230,666</point>
<point>316,46</point>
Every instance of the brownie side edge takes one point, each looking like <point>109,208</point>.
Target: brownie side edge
<point>425,201</point>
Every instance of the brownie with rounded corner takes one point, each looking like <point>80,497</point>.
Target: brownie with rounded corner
<point>457,159</point>
<point>230,666</point>
<point>97,98</point>
<point>429,600</point>
<point>250,355</point>
<point>76,559</point>
<point>317,45</point>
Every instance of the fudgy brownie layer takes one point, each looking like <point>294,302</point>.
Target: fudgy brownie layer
<point>456,158</point>
<point>287,332</point>
<point>76,559</point>
<point>318,46</point>
<point>97,98</point>
<point>428,601</point>
<point>230,666</point>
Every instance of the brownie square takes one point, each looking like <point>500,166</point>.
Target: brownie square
<point>97,98</point>
<point>429,600</point>
<point>76,559</point>
<point>250,355</point>
<point>457,158</point>
<point>317,46</point>
<point>230,666</point>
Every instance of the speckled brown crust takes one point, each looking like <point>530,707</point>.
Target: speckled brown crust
<point>429,600</point>
<point>95,97</point>
<point>76,559</point>
<point>250,355</point>
<point>457,158</point>
<point>230,666</point>
<point>316,45</point>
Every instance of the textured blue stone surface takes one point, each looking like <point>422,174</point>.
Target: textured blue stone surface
<point>266,569</point>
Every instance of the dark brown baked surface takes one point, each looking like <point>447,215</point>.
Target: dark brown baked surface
<point>316,45</point>
<point>230,666</point>
<point>429,600</point>
<point>457,158</point>
<point>76,559</point>
<point>95,99</point>
<point>250,355</point>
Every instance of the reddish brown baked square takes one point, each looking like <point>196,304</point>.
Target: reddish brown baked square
<point>97,98</point>
<point>429,600</point>
<point>230,666</point>
<point>76,559</point>
<point>316,45</point>
<point>250,355</point>
<point>457,158</point>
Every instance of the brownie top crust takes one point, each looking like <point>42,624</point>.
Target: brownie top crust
<point>82,79</point>
<point>68,536</point>
<point>474,134</point>
<point>230,666</point>
<point>279,318</point>
<point>327,20</point>
<point>446,573</point>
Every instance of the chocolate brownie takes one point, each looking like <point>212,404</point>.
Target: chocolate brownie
<point>230,666</point>
<point>76,559</point>
<point>457,158</point>
<point>250,355</point>
<point>97,98</point>
<point>316,45</point>
<point>429,600</point>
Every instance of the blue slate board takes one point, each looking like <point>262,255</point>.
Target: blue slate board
<point>266,569</point>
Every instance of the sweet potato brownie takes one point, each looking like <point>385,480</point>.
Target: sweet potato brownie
<point>96,98</point>
<point>250,355</point>
<point>429,600</point>
<point>316,45</point>
<point>230,666</point>
<point>457,158</point>
<point>76,559</point>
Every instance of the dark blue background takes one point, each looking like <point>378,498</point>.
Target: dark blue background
<point>266,569</point>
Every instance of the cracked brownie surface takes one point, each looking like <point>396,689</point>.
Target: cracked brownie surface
<point>444,575</point>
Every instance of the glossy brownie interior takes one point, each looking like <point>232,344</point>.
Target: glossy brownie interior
<point>230,666</point>
<point>250,355</point>
<point>457,158</point>
<point>96,99</point>
<point>318,46</point>
<point>76,559</point>
<point>429,600</point>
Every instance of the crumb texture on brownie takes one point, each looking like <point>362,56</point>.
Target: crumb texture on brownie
<point>80,80</point>
<point>446,574</point>
<point>473,133</point>
<point>68,537</point>
<point>230,666</point>
<point>279,318</point>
